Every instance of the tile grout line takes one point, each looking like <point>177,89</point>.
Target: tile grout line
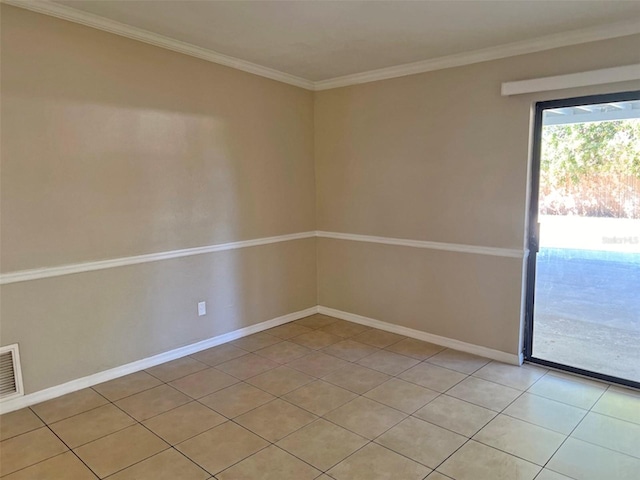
<point>369,441</point>
<point>397,376</point>
<point>469,439</point>
<point>276,397</point>
<point>171,446</point>
<point>240,380</point>
<point>104,436</point>
<point>573,430</point>
<point>318,417</point>
<point>109,402</point>
<point>65,444</point>
<point>587,411</point>
<point>530,423</point>
<point>597,413</point>
<point>137,422</point>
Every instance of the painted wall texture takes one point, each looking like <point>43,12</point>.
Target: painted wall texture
<point>441,157</point>
<point>113,148</point>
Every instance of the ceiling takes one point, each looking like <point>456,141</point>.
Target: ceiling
<point>623,110</point>
<point>320,40</point>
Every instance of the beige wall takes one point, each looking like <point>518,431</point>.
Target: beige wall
<point>441,157</point>
<point>444,293</point>
<point>76,325</point>
<point>112,148</point>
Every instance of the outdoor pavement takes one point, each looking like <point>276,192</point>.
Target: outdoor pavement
<point>587,310</point>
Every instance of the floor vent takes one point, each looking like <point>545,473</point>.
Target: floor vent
<point>10,375</point>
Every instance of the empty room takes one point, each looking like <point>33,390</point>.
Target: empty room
<point>297,240</point>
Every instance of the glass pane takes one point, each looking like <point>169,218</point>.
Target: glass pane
<point>587,298</point>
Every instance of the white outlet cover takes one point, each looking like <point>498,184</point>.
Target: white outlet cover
<point>202,308</point>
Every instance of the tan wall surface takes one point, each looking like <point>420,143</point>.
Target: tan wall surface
<point>441,157</point>
<point>113,148</point>
<point>77,325</point>
<point>450,294</point>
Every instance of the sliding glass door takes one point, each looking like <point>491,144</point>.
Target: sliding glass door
<point>583,305</point>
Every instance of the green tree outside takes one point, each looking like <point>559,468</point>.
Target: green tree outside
<point>591,169</point>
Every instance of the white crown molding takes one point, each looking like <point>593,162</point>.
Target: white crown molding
<point>479,350</point>
<point>573,80</point>
<point>451,247</point>
<point>111,26</point>
<point>564,39</point>
<point>47,272</point>
<point>16,403</point>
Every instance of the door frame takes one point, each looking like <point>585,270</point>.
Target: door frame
<point>533,234</point>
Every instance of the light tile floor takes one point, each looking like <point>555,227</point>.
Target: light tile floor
<point>322,398</point>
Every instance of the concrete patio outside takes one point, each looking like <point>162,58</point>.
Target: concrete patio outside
<point>587,305</point>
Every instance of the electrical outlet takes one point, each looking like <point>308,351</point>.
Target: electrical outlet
<point>202,308</point>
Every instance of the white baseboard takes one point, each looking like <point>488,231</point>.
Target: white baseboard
<point>104,376</point>
<point>424,336</point>
<point>88,381</point>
